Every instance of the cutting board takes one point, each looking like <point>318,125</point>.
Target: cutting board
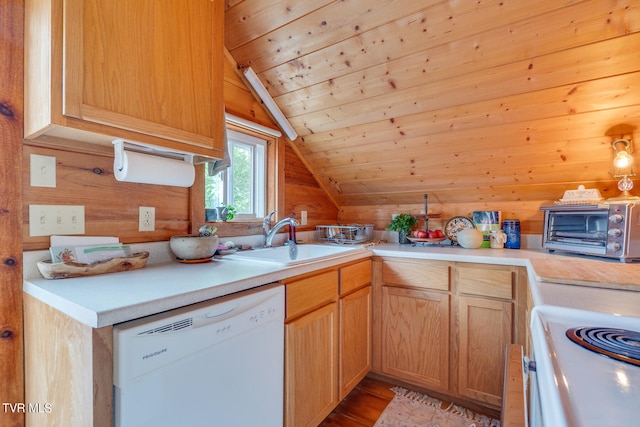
<point>587,272</point>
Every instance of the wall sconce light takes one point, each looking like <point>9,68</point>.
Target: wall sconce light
<point>271,105</point>
<point>623,168</point>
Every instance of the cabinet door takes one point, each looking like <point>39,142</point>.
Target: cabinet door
<point>415,336</point>
<point>146,70</point>
<point>355,339</point>
<point>485,330</point>
<point>311,370</point>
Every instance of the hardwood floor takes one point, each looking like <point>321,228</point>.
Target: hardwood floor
<point>363,406</point>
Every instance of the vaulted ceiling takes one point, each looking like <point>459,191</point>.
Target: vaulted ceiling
<point>464,100</point>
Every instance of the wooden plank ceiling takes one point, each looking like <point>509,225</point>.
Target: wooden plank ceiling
<point>492,100</point>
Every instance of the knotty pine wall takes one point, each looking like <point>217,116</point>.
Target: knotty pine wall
<point>302,193</point>
<point>85,177</point>
<point>11,125</point>
<point>492,104</point>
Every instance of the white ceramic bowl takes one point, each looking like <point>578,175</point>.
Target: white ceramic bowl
<point>193,247</point>
<point>469,238</point>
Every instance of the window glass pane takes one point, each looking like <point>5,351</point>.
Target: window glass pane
<point>214,190</point>
<point>243,184</point>
<point>242,178</point>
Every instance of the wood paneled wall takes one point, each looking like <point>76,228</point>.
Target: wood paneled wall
<point>85,177</point>
<point>483,105</point>
<point>111,207</point>
<point>302,193</point>
<point>11,102</point>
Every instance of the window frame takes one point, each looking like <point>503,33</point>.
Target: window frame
<point>274,194</point>
<point>258,172</point>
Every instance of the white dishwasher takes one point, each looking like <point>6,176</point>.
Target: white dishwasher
<point>216,363</point>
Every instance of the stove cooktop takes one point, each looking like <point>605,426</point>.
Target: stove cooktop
<point>577,386</point>
<point>618,344</point>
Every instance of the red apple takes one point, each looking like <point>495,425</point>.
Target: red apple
<point>421,234</point>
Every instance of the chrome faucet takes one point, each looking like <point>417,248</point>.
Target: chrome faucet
<point>271,232</point>
<point>266,223</point>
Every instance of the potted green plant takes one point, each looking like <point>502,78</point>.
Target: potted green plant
<point>403,224</point>
<point>231,212</point>
<point>226,212</point>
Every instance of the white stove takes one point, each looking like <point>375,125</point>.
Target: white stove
<point>578,387</point>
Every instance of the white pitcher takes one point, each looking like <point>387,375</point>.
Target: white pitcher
<point>497,239</point>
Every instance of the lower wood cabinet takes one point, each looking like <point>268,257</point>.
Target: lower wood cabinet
<point>415,336</point>
<point>445,325</point>
<point>69,366</point>
<point>489,318</point>
<point>355,339</point>
<point>485,330</point>
<point>327,340</point>
<point>311,361</point>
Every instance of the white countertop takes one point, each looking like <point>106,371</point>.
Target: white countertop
<point>619,302</point>
<point>108,299</point>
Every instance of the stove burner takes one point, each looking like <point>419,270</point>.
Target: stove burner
<point>619,344</point>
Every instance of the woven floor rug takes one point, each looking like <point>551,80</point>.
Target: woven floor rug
<point>410,409</point>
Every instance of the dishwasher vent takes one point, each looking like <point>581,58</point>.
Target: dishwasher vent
<point>170,327</point>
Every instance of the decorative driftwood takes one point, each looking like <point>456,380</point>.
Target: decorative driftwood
<point>65,270</point>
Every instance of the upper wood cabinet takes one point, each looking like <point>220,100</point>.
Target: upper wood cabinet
<point>143,70</point>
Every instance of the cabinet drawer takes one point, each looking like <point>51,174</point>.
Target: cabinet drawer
<point>312,292</point>
<point>485,280</point>
<point>355,276</point>
<point>416,274</point>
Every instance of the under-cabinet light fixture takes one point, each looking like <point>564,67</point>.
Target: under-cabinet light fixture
<point>623,169</point>
<point>230,118</point>
<point>271,105</point>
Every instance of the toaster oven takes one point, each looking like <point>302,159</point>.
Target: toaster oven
<point>606,230</point>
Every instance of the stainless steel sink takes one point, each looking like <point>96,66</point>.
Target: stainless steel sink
<point>299,254</point>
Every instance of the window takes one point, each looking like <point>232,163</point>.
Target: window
<point>243,184</point>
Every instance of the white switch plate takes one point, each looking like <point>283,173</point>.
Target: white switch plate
<point>147,218</point>
<point>45,220</point>
<point>42,170</point>
<point>303,218</point>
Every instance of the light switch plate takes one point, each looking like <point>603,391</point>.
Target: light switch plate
<point>45,220</point>
<point>303,218</point>
<point>42,170</point>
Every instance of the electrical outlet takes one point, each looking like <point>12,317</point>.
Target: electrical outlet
<point>147,219</point>
<point>303,218</point>
<point>45,220</point>
<point>42,171</point>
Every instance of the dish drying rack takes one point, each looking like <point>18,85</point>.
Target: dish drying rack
<point>354,233</point>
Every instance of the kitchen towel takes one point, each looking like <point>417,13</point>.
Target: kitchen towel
<point>147,169</point>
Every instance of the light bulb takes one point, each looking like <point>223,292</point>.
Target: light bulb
<point>622,160</point>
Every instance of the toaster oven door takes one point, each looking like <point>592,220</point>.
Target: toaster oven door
<point>576,230</point>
